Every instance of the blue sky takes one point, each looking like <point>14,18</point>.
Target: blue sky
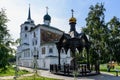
<point>59,10</point>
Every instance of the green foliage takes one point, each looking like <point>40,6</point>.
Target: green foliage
<point>10,71</point>
<point>5,41</point>
<point>96,30</point>
<point>114,38</point>
<point>103,68</point>
<point>81,58</point>
<point>11,59</point>
<point>104,37</point>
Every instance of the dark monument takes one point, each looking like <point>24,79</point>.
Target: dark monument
<point>73,41</point>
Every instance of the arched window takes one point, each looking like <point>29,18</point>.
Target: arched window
<point>34,35</point>
<point>25,35</point>
<point>36,42</point>
<point>32,42</point>
<point>26,28</point>
<point>50,50</point>
<point>62,50</point>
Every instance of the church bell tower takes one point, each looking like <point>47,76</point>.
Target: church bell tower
<point>25,28</point>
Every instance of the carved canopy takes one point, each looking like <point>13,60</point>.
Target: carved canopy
<point>78,42</point>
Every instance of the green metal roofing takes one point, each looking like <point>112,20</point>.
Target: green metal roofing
<point>47,17</point>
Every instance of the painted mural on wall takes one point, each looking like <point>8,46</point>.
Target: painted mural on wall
<point>48,36</point>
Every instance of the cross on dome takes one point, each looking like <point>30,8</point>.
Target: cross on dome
<point>47,10</point>
<point>72,12</point>
<point>47,18</point>
<point>72,19</point>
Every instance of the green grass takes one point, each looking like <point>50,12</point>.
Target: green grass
<point>35,77</point>
<point>10,71</point>
<point>103,68</point>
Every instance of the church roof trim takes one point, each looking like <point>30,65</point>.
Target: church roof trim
<point>48,43</point>
<point>51,27</point>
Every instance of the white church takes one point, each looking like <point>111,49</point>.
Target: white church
<point>40,40</point>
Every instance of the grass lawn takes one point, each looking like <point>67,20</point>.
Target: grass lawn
<point>35,77</point>
<point>11,72</point>
<point>103,68</point>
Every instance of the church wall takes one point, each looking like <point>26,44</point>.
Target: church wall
<point>52,60</point>
<point>36,45</point>
<point>39,63</point>
<point>35,42</point>
<point>49,52</point>
<point>43,63</point>
<point>27,62</point>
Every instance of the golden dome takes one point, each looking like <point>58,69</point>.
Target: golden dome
<point>72,20</point>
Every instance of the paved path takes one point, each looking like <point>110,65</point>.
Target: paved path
<point>102,76</point>
<point>45,73</point>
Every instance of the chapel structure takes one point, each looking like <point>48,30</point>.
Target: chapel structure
<point>39,40</point>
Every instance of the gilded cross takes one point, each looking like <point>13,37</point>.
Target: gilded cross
<point>72,12</point>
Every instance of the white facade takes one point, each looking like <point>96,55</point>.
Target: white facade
<point>39,40</point>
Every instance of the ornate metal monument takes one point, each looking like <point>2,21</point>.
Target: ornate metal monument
<point>73,41</point>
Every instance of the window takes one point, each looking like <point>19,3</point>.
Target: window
<point>34,35</point>
<point>50,50</point>
<point>37,52</point>
<point>32,42</point>
<point>43,50</point>
<point>25,35</point>
<point>62,50</point>
<point>26,28</point>
<point>36,42</point>
<point>31,28</point>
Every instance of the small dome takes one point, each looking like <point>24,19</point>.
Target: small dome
<point>72,20</point>
<point>47,17</point>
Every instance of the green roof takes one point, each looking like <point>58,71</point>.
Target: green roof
<point>47,17</point>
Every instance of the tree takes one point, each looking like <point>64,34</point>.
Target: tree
<point>97,31</point>
<point>5,40</point>
<point>81,57</point>
<point>114,38</point>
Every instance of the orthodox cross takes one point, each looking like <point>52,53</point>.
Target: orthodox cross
<point>72,12</point>
<point>47,10</point>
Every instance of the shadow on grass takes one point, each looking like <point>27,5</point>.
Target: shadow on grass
<point>35,77</point>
